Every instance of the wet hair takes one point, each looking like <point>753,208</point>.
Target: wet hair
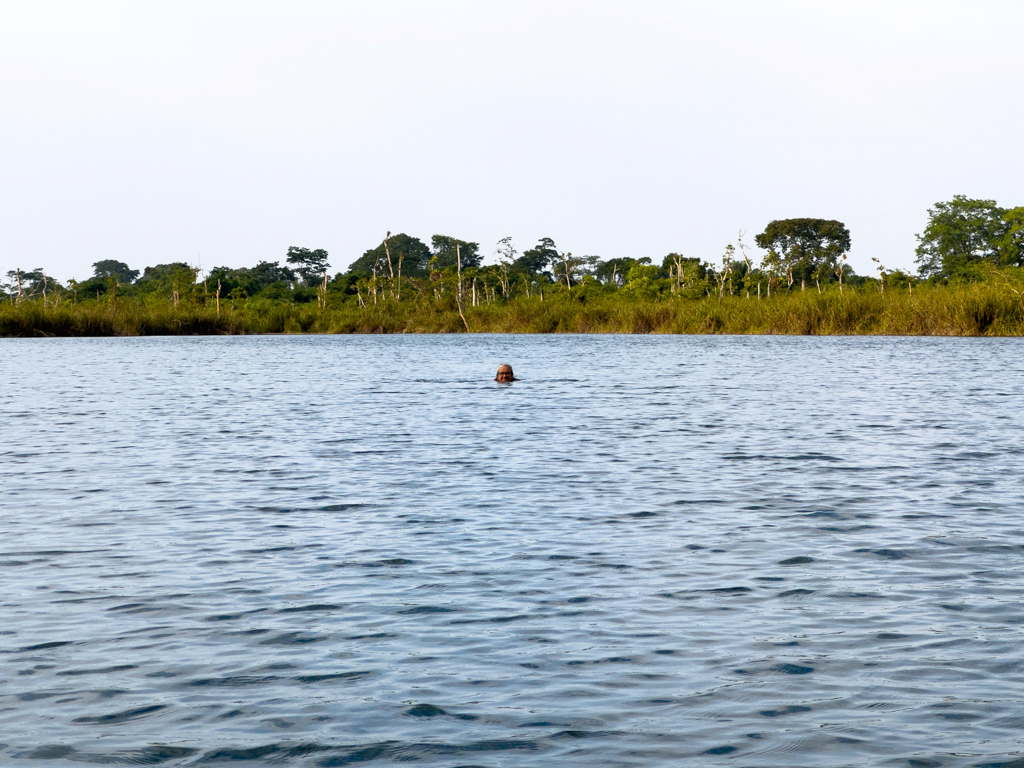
<point>505,365</point>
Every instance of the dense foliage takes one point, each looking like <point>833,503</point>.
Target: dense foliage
<point>963,235</point>
<point>971,258</point>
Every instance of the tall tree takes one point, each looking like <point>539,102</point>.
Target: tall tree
<point>444,248</point>
<point>267,273</point>
<point>414,253</point>
<point>163,272</point>
<point>112,268</point>
<point>573,269</point>
<point>681,270</point>
<point>26,284</point>
<point>251,280</point>
<point>960,233</point>
<point>506,251</point>
<point>613,271</point>
<point>801,248</point>
<point>310,265</point>
<point>537,260</point>
<point>1011,244</point>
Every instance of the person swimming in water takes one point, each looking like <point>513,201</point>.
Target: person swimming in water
<point>505,374</point>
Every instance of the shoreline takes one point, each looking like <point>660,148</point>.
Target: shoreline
<point>983,309</point>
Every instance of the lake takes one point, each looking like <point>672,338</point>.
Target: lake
<point>324,551</point>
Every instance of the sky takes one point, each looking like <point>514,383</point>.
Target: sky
<point>221,133</point>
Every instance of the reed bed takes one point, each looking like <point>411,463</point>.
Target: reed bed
<point>986,309</point>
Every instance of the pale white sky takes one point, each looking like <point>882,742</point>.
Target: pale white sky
<point>220,133</point>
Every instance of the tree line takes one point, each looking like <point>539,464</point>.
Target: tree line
<point>965,240</point>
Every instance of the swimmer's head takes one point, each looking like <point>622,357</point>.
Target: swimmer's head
<point>505,373</point>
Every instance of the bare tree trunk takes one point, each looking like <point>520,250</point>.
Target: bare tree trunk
<point>45,281</point>
<point>458,268</point>
<point>218,297</point>
<point>391,271</point>
<point>458,303</point>
<point>474,291</point>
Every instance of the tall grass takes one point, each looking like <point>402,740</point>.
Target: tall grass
<point>972,310</point>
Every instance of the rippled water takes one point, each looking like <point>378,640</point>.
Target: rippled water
<point>324,551</point>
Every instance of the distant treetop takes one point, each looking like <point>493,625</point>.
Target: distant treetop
<point>804,249</point>
<point>112,268</point>
<point>963,233</point>
<point>444,249</point>
<point>412,251</point>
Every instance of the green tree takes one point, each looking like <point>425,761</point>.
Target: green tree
<point>267,273</point>
<point>26,284</point>
<point>444,247</point>
<point>724,275</point>
<point>683,271</point>
<point>960,233</point>
<point>537,260</point>
<point>111,268</point>
<point>34,281</point>
<point>252,280</point>
<point>310,265</point>
<point>162,273</point>
<point>613,272</point>
<point>801,248</point>
<point>641,276</point>
<point>414,254</point>
<point>176,279</point>
<point>574,270</point>
<point>1011,244</point>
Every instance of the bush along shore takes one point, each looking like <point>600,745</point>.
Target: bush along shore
<point>970,282</point>
<point>980,309</point>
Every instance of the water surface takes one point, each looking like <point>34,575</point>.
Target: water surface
<point>324,551</point>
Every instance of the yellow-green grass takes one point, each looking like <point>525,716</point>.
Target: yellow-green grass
<point>984,309</point>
